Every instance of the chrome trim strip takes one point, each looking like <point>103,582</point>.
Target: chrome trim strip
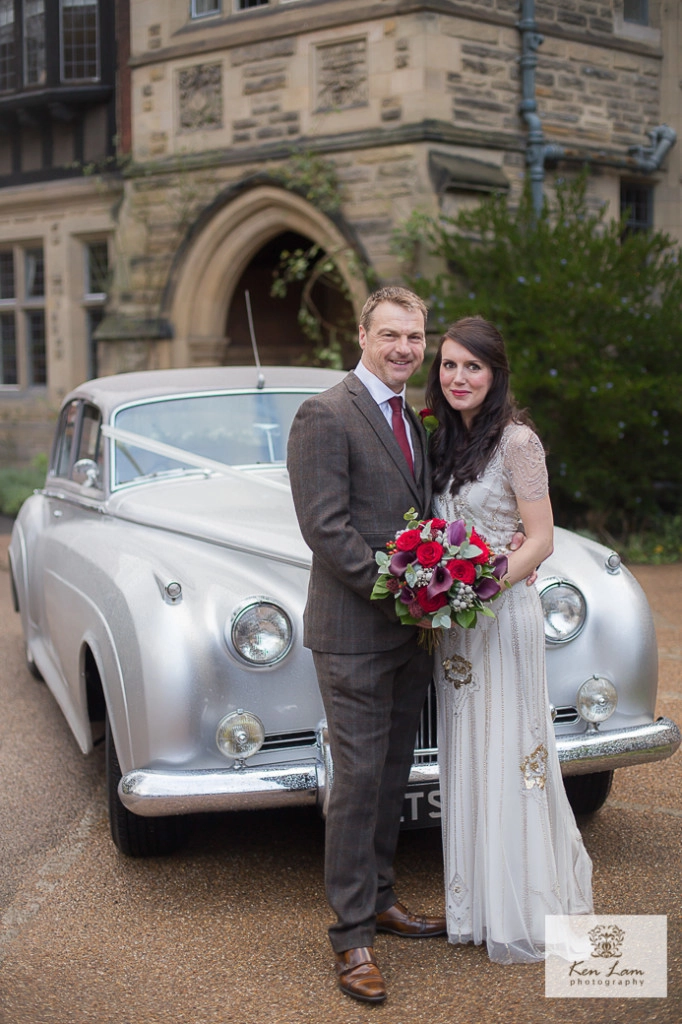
<point>151,793</point>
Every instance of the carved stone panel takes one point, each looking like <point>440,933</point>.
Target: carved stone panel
<point>341,78</point>
<point>200,94</point>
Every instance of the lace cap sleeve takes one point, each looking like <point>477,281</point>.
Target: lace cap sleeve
<point>524,462</point>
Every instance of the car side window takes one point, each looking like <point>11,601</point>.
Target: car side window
<point>90,444</point>
<point>66,433</point>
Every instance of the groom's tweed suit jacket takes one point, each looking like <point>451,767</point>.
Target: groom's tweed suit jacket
<point>351,487</point>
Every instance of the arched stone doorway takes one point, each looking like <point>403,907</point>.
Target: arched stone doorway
<point>280,337</point>
<point>238,245</point>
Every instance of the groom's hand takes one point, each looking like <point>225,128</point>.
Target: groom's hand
<point>517,540</point>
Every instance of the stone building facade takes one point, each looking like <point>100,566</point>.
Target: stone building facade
<point>227,107</point>
<point>416,105</point>
<point>57,128</point>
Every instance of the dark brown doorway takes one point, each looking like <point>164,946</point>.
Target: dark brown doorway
<point>280,337</point>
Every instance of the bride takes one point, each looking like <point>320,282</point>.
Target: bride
<point>512,850</point>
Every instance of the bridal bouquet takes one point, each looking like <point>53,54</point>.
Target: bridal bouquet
<point>440,571</point>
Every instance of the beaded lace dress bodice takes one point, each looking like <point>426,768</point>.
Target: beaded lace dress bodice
<point>516,468</point>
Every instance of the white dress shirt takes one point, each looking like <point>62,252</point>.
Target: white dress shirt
<point>381,393</point>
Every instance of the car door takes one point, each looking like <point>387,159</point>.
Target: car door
<point>73,495</point>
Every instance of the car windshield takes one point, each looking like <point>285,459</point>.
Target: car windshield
<point>238,429</point>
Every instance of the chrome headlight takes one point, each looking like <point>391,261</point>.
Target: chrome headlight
<point>597,699</point>
<point>240,734</point>
<point>564,609</point>
<point>261,632</point>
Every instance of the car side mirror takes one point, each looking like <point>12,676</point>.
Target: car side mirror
<point>86,472</point>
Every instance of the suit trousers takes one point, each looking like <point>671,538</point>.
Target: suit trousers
<point>373,702</point>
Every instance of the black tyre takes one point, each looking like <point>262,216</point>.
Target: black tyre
<point>132,834</point>
<point>587,793</point>
<point>32,667</point>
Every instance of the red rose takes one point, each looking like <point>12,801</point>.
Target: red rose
<point>430,553</point>
<point>480,543</point>
<point>423,413</point>
<point>438,524</point>
<point>461,570</point>
<point>408,540</point>
<point>430,604</point>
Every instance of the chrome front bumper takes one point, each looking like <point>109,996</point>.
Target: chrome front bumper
<point>151,793</point>
<point>596,751</point>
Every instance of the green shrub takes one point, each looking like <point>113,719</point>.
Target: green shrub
<point>660,544</point>
<point>16,485</point>
<point>591,316</point>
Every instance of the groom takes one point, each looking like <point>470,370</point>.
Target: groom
<point>358,461</point>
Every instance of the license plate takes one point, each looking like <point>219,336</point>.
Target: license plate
<point>421,807</point>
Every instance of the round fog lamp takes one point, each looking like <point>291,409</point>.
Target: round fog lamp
<point>240,734</point>
<point>564,610</point>
<point>597,699</point>
<point>261,633</point>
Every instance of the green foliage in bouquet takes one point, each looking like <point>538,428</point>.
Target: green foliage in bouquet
<point>592,317</point>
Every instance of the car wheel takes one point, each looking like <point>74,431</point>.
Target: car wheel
<point>31,665</point>
<point>587,793</point>
<point>132,834</point>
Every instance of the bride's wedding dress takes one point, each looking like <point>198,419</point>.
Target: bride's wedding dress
<point>512,850</point>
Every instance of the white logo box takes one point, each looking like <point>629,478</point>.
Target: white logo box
<point>606,956</point>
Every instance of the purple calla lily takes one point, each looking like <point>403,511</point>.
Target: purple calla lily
<point>440,581</point>
<point>500,566</point>
<point>456,532</point>
<point>487,588</point>
<point>407,595</point>
<point>400,561</point>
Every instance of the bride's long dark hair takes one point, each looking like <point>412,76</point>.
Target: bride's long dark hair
<point>457,453</point>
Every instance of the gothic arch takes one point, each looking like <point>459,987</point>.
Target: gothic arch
<point>218,250</point>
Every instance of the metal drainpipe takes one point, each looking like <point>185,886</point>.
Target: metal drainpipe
<point>645,159</point>
<point>649,159</point>
<point>537,149</point>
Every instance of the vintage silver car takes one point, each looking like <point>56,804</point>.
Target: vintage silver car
<point>161,579</point>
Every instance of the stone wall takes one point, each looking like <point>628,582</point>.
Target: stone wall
<point>596,85</point>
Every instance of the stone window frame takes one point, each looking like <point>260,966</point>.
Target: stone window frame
<point>647,32</point>
<point>93,302</point>
<point>227,8</point>
<point>27,313</point>
<point>196,15</point>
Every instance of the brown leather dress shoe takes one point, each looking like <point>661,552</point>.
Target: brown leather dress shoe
<point>397,920</point>
<point>359,975</point>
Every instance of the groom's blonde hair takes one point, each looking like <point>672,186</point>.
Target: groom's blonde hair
<point>398,296</point>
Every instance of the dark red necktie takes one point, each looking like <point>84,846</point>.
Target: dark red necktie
<point>398,424</point>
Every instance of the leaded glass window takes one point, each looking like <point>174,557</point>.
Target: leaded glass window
<point>80,43</point>
<point>7,46</point>
<point>34,42</point>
